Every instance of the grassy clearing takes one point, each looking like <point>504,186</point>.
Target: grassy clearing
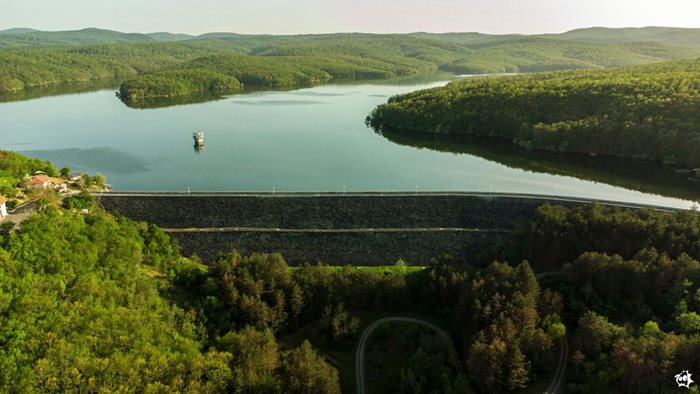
<point>382,269</point>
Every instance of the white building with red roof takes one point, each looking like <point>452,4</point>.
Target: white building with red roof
<point>38,182</point>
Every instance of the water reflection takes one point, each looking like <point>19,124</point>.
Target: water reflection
<point>164,102</point>
<point>59,89</point>
<point>201,97</point>
<point>640,175</point>
<point>116,161</point>
<point>309,147</point>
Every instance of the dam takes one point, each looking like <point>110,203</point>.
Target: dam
<point>336,228</point>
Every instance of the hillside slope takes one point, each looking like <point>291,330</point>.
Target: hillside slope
<point>30,59</point>
<point>649,112</point>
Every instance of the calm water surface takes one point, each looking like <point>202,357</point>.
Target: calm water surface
<point>310,139</point>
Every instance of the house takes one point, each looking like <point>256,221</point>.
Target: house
<point>76,176</point>
<point>40,182</point>
<point>61,187</point>
<point>3,207</point>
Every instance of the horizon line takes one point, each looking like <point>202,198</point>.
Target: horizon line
<point>348,32</point>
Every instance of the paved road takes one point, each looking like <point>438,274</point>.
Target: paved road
<point>23,211</point>
<point>20,213</point>
<point>333,230</point>
<point>553,387</point>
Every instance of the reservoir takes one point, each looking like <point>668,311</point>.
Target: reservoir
<point>309,139</point>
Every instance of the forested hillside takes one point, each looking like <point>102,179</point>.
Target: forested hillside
<point>95,303</point>
<point>87,306</point>
<point>30,59</point>
<point>30,37</point>
<point>523,55</point>
<point>649,112</point>
<point>33,67</point>
<point>104,304</point>
<point>629,293</point>
<point>679,37</point>
<point>668,35</point>
<point>292,64</point>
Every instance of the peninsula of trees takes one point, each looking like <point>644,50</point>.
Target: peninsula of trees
<point>648,112</point>
<point>169,65</point>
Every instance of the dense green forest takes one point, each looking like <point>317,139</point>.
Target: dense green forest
<point>629,289</point>
<point>524,55</point>
<point>87,305</point>
<point>46,66</point>
<point>102,304</point>
<point>669,35</point>
<point>93,302</point>
<point>297,62</point>
<point>115,294</point>
<point>648,112</point>
<point>164,64</point>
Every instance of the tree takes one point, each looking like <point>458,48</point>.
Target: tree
<point>83,200</point>
<point>595,334</point>
<point>99,180</point>
<point>254,360</point>
<point>689,323</point>
<point>429,372</point>
<point>340,323</point>
<point>305,372</point>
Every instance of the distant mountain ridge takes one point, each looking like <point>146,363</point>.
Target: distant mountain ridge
<point>163,64</point>
<point>17,30</point>
<point>88,36</point>
<point>682,37</point>
<point>165,36</point>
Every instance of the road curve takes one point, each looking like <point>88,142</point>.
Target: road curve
<point>19,214</point>
<point>553,387</point>
<point>555,384</point>
<point>360,354</point>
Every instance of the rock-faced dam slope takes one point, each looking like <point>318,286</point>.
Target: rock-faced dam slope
<point>334,228</point>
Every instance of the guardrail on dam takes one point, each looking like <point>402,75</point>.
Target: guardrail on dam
<point>336,228</point>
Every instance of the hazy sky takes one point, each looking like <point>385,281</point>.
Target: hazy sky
<point>316,16</point>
